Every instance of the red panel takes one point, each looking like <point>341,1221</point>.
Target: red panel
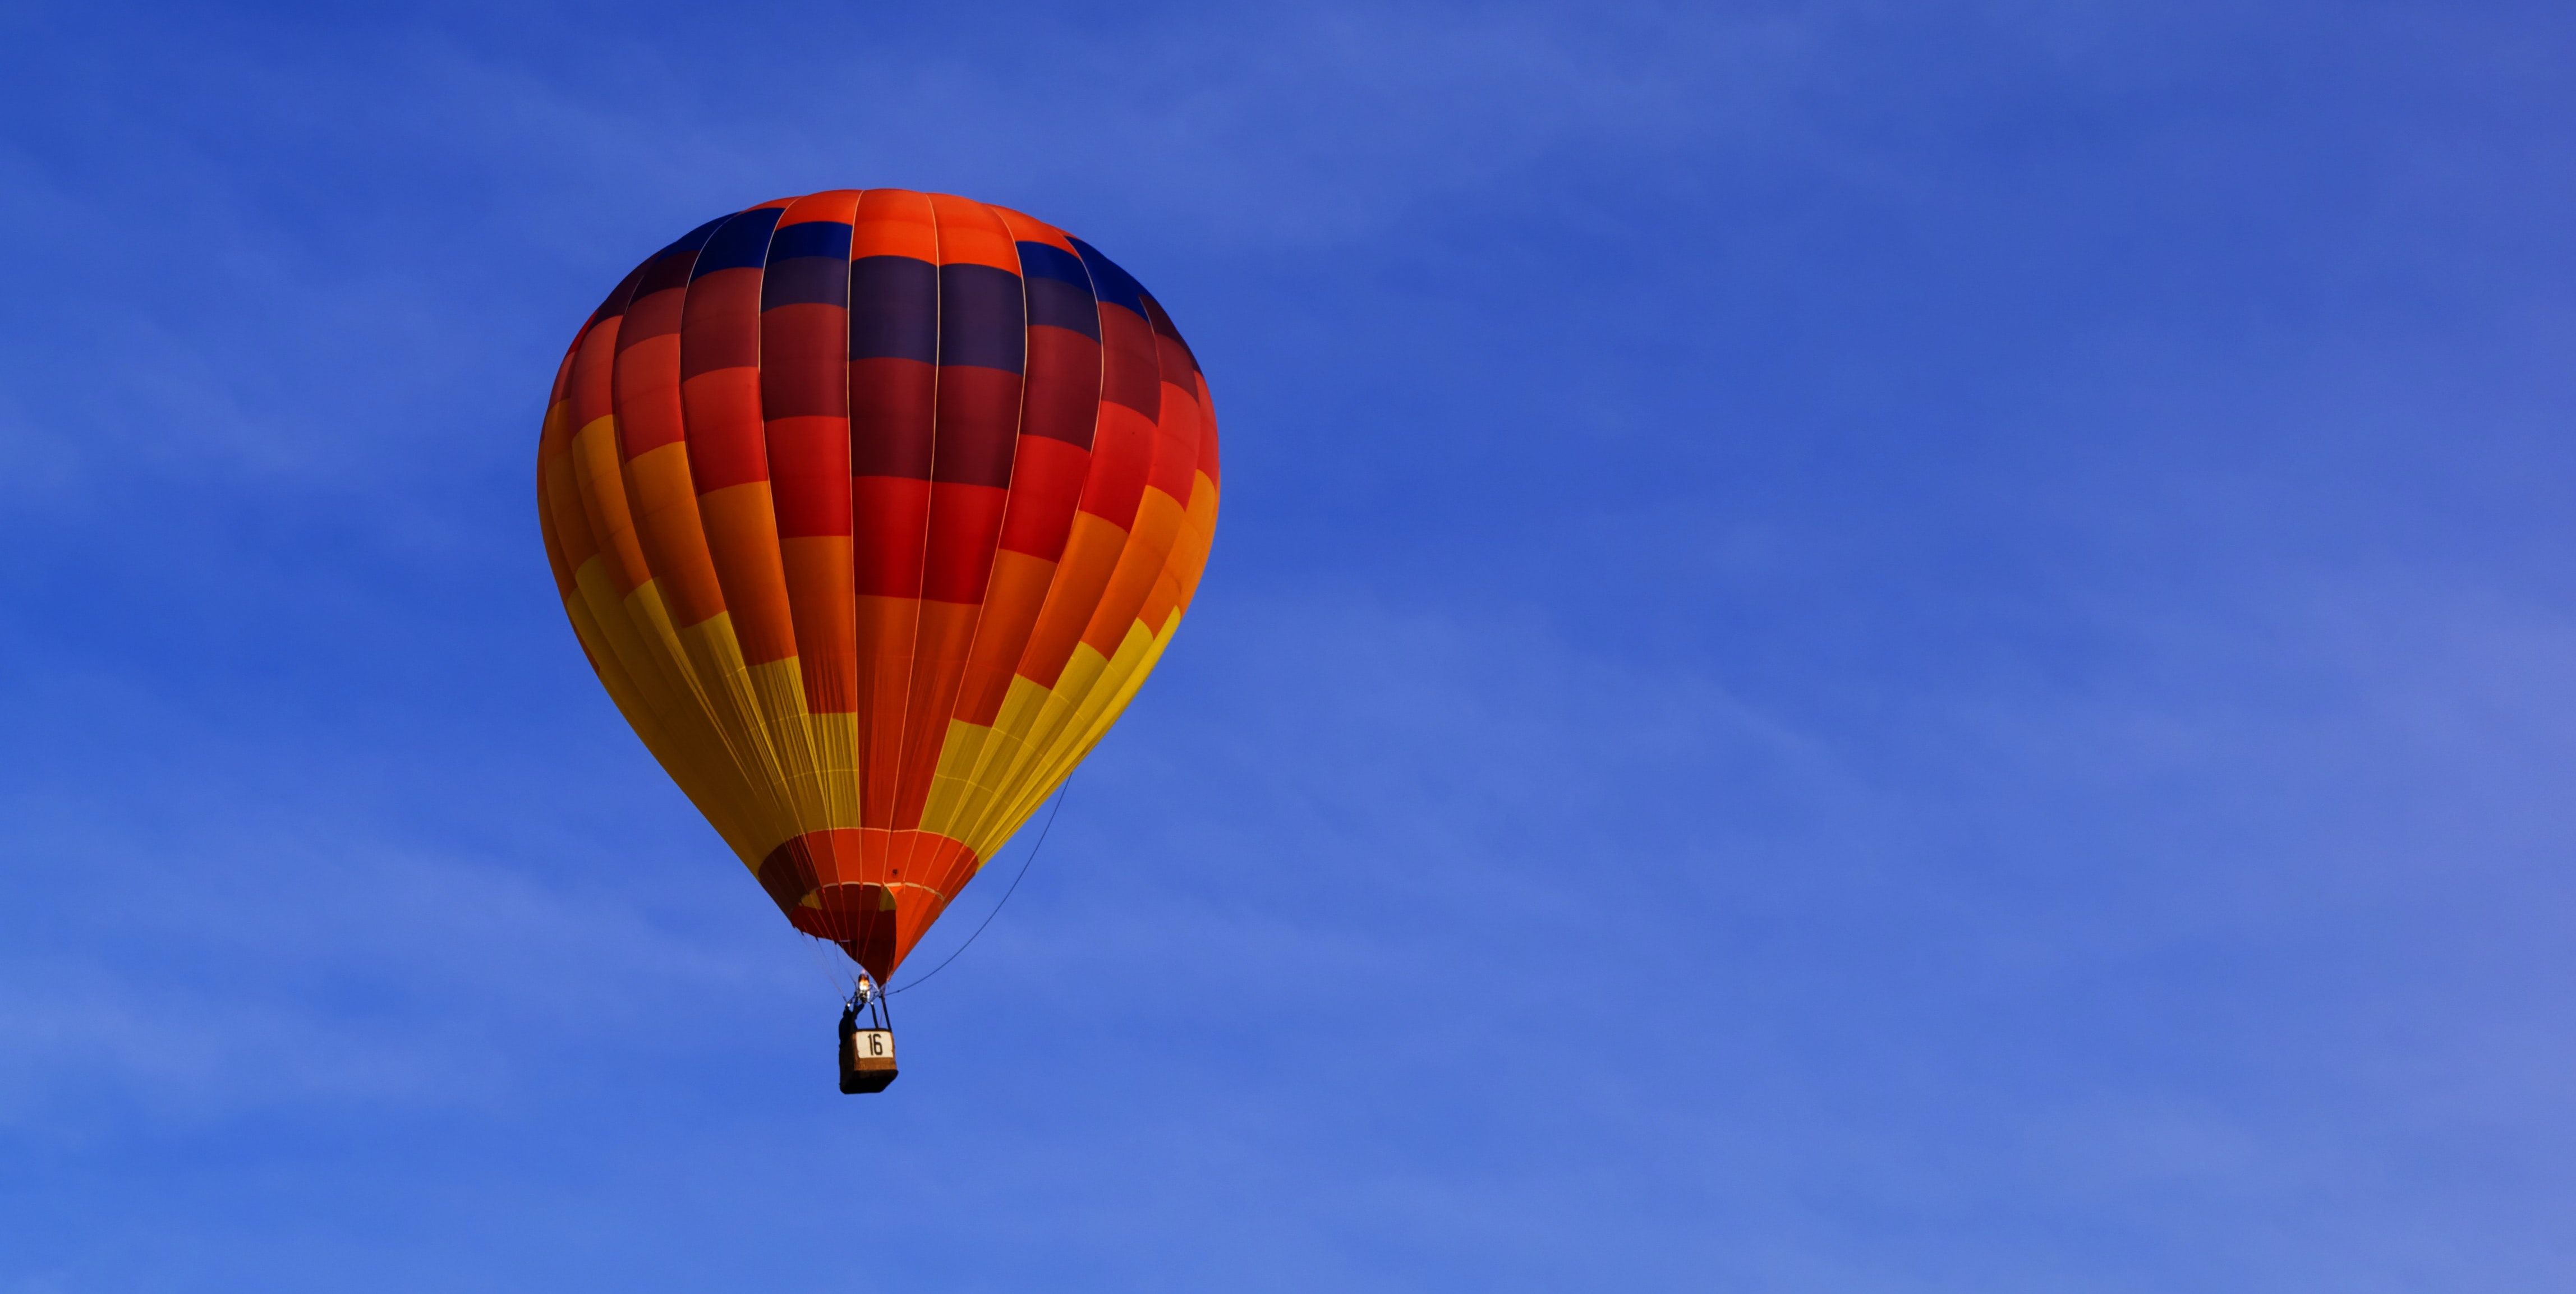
<point>654,314</point>
<point>594,365</point>
<point>1122,455</point>
<point>1046,483</point>
<point>979,419</point>
<point>1176,452</point>
<point>893,403</point>
<point>561,391</point>
<point>809,461</point>
<point>648,395</point>
<point>720,326</point>
<point>803,369</point>
<point>1063,386</point>
<point>965,527</point>
<point>1132,373</point>
<point>892,517</point>
<point>1207,432</point>
<point>727,445</point>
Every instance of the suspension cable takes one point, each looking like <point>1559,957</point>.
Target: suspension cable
<point>1006,894</point>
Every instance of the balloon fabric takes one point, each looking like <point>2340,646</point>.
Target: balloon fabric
<point>871,510</point>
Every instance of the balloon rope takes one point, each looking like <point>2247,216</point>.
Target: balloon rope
<point>816,946</point>
<point>1006,894</point>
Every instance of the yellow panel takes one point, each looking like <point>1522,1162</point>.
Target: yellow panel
<point>1022,704</point>
<point>983,785</point>
<point>951,787</point>
<point>1198,537</point>
<point>1055,710</point>
<point>1103,696</point>
<point>778,690</point>
<point>758,809</point>
<point>835,740</point>
<point>715,658</point>
<point>687,747</point>
<point>1159,520</point>
<point>1066,743</point>
<point>603,501</point>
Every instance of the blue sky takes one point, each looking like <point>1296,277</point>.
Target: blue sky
<point>1854,647</point>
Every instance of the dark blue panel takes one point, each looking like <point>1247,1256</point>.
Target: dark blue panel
<point>740,243</point>
<point>694,239</point>
<point>894,309</point>
<point>1110,283</point>
<point>1163,328</point>
<point>1045,261</point>
<point>805,280</point>
<point>981,319</point>
<point>1062,305</point>
<point>625,292</point>
<point>669,267</point>
<point>811,238</point>
<point>666,271</point>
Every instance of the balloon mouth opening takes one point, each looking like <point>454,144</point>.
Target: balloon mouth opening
<point>843,910</point>
<point>861,918</point>
<point>872,891</point>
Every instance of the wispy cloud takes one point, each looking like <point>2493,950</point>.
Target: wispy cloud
<point>1855,646</point>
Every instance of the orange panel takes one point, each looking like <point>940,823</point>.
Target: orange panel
<point>1090,558</point>
<point>1164,597</point>
<point>674,539</point>
<point>826,615</point>
<point>840,206</point>
<point>596,471</point>
<point>742,537</point>
<point>887,630</point>
<point>1010,613</point>
<point>1028,230</point>
<point>591,387</point>
<point>939,665</point>
<point>895,222</point>
<point>1158,523</point>
<point>546,533</point>
<point>970,233</point>
<point>563,499</point>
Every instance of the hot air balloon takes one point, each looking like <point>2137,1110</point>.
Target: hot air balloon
<point>871,510</point>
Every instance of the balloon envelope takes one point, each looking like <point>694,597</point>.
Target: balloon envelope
<point>871,510</point>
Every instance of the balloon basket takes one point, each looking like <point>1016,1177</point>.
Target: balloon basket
<point>867,1060</point>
